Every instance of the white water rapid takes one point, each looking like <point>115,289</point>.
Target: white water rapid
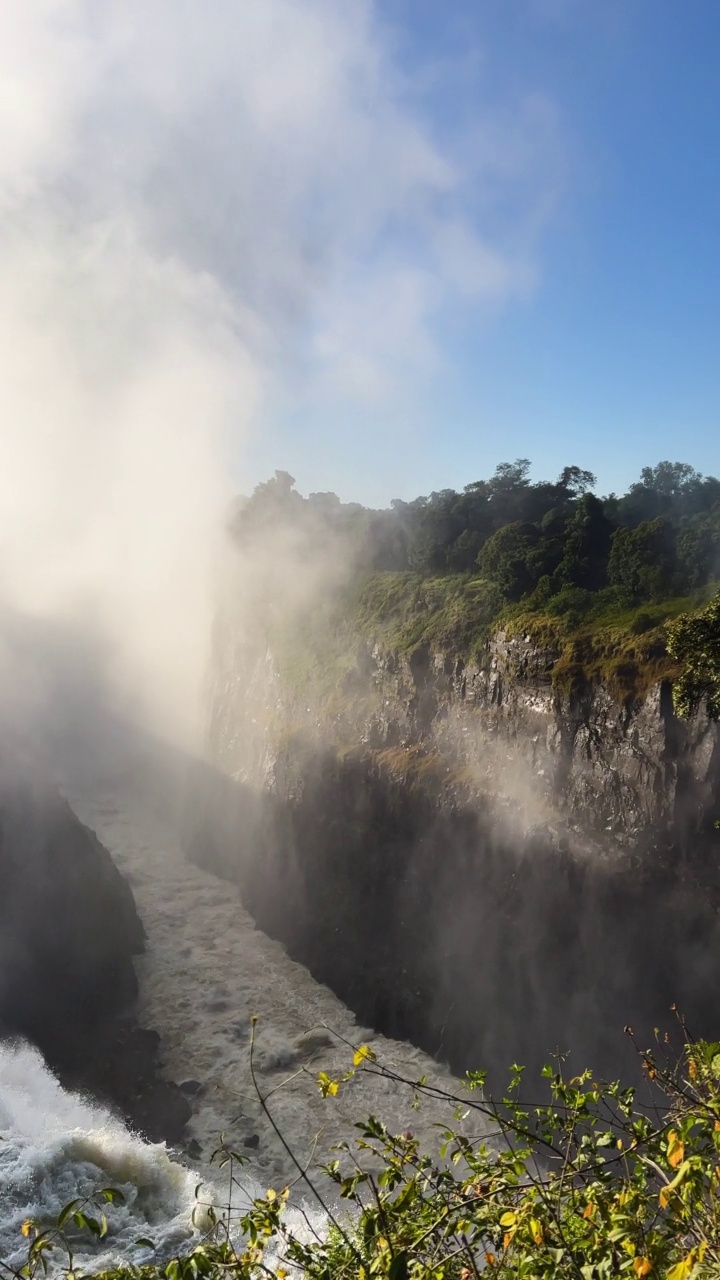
<point>55,1147</point>
<point>206,971</point>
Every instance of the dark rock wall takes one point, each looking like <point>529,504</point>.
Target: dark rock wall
<point>440,923</point>
<point>68,924</point>
<point>69,931</point>
<point>468,859</point>
<point>629,774</point>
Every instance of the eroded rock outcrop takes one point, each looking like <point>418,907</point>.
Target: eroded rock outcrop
<point>627,773</point>
<point>68,924</point>
<point>69,930</point>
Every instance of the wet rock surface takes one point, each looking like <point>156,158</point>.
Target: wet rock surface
<point>118,1062</point>
<point>69,929</point>
<point>69,933</point>
<point>629,774</point>
<point>470,858</point>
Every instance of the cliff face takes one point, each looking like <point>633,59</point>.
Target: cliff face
<point>69,931</point>
<point>628,775</point>
<point>469,858</point>
<point>624,775</point>
<point>68,924</point>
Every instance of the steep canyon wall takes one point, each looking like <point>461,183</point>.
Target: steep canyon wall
<point>468,856</point>
<point>69,933</point>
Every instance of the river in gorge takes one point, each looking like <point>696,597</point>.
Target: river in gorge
<point>206,973</point>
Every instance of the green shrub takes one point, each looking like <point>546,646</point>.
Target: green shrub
<point>591,1184</point>
<point>694,641</point>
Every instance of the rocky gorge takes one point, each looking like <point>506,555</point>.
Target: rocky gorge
<point>472,855</point>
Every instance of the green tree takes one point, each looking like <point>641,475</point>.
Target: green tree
<point>462,555</point>
<point>595,1184</point>
<point>698,550</point>
<point>505,559</point>
<point>669,479</point>
<point>586,548</point>
<point>642,560</point>
<point>576,481</point>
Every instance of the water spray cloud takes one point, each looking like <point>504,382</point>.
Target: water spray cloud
<point>194,201</point>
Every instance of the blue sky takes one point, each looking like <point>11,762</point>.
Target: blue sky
<point>382,244</point>
<point>608,355</point>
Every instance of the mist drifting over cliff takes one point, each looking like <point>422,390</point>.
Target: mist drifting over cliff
<point>192,210</point>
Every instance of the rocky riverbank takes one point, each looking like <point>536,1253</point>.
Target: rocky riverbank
<point>69,936</point>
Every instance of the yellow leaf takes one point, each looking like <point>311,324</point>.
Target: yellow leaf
<point>682,1269</point>
<point>490,1259</point>
<point>507,1239</point>
<point>589,1211</point>
<point>363,1054</point>
<point>270,1195</point>
<point>692,1069</point>
<point>619,1144</point>
<point>717,1126</point>
<point>536,1230</point>
<point>328,1087</point>
<point>27,1226</point>
<point>675,1149</point>
<point>508,1219</point>
<point>642,1267</point>
<point>672,1186</point>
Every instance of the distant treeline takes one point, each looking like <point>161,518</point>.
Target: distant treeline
<point>546,543</point>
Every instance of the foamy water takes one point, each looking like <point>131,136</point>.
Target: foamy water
<point>55,1147</point>
<point>206,972</point>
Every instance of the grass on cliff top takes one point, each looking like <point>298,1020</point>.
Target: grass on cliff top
<point>592,637</point>
<point>595,636</point>
<point>319,650</point>
<point>625,646</point>
<point>315,654</point>
<point>403,611</point>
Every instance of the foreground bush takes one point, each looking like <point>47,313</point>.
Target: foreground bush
<point>590,1184</point>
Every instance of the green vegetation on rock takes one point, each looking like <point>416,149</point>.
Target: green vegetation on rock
<point>694,643</point>
<point>599,1181</point>
<point>596,580</point>
<point>403,611</point>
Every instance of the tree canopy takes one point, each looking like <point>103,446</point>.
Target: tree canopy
<point>533,540</point>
